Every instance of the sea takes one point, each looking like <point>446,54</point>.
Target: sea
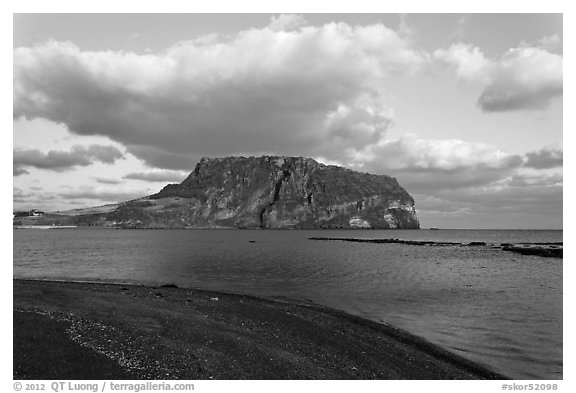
<point>498,308</point>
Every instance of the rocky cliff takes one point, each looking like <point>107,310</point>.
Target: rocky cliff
<point>268,192</point>
<point>289,192</point>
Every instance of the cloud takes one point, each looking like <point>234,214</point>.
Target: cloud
<point>59,161</point>
<point>533,179</point>
<point>17,171</point>
<point>426,165</point>
<point>548,157</point>
<point>550,43</point>
<point>468,61</point>
<point>286,92</point>
<point>455,182</point>
<point>287,22</point>
<point>526,78</point>
<point>63,198</point>
<point>26,200</point>
<point>158,176</point>
<point>19,193</point>
<point>357,124</point>
<point>104,154</point>
<point>512,195</point>
<point>521,200</point>
<point>104,180</point>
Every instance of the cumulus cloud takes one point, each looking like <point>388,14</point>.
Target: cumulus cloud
<point>259,90</point>
<point>59,161</point>
<point>428,165</point>
<point>548,157</point>
<point>410,152</point>
<point>358,124</point>
<point>158,176</point>
<point>526,78</point>
<point>468,61</point>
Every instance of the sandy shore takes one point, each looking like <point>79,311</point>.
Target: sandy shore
<point>107,331</point>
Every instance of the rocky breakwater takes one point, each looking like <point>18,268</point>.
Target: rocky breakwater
<point>548,250</point>
<point>281,192</point>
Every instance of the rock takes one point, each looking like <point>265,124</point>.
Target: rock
<point>380,241</point>
<point>539,250</point>
<point>287,192</point>
<point>266,192</point>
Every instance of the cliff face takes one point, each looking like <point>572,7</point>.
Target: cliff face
<point>276,192</point>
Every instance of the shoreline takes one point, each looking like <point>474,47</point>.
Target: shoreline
<point>164,332</point>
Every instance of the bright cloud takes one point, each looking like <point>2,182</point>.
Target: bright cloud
<point>416,154</point>
<point>525,79</point>
<point>428,165</point>
<point>467,60</point>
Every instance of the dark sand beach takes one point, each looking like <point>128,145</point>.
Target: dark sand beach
<point>65,330</point>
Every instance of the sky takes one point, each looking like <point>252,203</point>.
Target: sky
<point>465,110</point>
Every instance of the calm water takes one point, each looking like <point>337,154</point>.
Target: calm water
<point>498,308</point>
